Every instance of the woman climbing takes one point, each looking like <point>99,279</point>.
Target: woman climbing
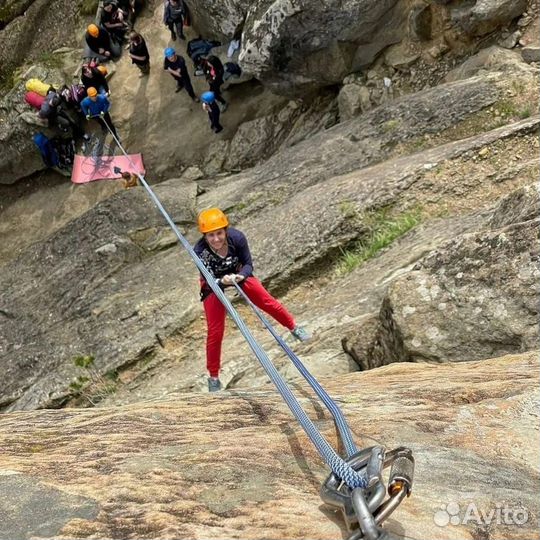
<point>225,252</point>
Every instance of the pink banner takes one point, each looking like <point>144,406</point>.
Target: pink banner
<point>89,168</point>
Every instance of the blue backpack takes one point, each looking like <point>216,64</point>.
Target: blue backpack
<point>47,150</point>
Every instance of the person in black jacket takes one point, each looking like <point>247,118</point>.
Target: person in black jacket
<point>138,52</point>
<point>112,18</point>
<point>173,17</point>
<point>213,70</point>
<point>100,43</point>
<point>211,107</point>
<point>176,66</point>
<point>92,77</point>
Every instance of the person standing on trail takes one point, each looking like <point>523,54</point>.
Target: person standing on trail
<point>225,253</point>
<point>174,13</point>
<point>97,106</point>
<point>211,107</point>
<point>176,66</point>
<point>138,52</point>
<point>214,71</point>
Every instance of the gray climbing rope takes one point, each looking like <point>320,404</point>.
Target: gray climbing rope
<point>338,465</point>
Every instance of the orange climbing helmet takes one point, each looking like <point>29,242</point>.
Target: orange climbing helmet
<point>212,220</point>
<point>91,92</point>
<point>102,70</point>
<point>93,30</point>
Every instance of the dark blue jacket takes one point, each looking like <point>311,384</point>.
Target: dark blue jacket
<point>237,261</point>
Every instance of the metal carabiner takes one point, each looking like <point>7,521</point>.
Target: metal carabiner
<point>364,510</point>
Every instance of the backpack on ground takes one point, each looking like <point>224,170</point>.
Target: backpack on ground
<point>46,149</point>
<point>65,149</point>
<point>34,99</point>
<point>37,86</point>
<point>232,69</point>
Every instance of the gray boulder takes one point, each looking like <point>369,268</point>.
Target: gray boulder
<point>531,54</point>
<point>483,16</point>
<point>19,156</point>
<point>297,47</point>
<point>492,58</point>
<point>219,20</point>
<point>353,99</point>
<point>477,293</point>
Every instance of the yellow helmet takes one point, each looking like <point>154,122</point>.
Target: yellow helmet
<point>91,92</point>
<point>212,220</point>
<point>102,70</point>
<point>93,30</point>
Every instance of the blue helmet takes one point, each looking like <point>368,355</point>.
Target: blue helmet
<point>169,51</point>
<point>208,97</point>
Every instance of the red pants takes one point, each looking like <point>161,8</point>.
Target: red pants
<point>215,319</point>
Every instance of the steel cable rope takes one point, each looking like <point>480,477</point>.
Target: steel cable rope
<point>334,409</point>
<point>339,467</point>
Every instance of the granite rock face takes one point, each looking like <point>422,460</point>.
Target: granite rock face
<point>294,47</point>
<point>80,274</point>
<point>238,465</point>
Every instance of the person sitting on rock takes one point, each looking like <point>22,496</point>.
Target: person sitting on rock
<point>92,77</point>
<point>100,43</point>
<point>225,253</point>
<point>173,16</point>
<point>55,111</point>
<point>211,107</point>
<point>112,18</point>
<point>176,66</point>
<point>132,8</point>
<point>213,70</point>
<point>138,52</point>
<point>97,106</point>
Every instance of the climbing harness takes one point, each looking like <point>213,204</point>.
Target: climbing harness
<point>355,485</point>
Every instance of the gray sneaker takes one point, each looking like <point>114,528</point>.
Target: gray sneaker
<point>300,333</point>
<point>214,384</point>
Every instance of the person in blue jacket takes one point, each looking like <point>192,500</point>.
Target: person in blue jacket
<point>97,106</point>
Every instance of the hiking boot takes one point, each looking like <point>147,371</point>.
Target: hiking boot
<point>178,88</point>
<point>214,384</point>
<point>173,36</point>
<point>181,36</point>
<point>300,333</point>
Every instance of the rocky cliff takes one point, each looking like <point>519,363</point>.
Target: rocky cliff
<point>170,470</point>
<point>383,164</point>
